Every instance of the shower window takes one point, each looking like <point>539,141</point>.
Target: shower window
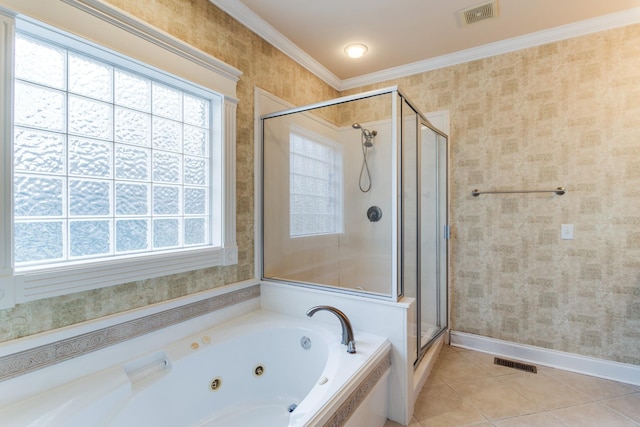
<point>315,179</point>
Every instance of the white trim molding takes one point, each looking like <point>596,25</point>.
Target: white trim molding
<point>251,20</point>
<point>7,30</point>
<point>594,25</point>
<point>7,282</point>
<point>78,277</point>
<point>229,150</point>
<point>7,292</point>
<point>127,22</point>
<point>115,29</point>
<point>621,372</point>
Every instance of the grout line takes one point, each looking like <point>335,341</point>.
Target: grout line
<point>617,412</point>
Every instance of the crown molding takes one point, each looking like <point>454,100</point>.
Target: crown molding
<point>253,22</point>
<point>247,17</point>
<point>564,32</point>
<point>139,28</point>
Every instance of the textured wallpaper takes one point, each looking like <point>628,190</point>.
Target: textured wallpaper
<point>563,114</point>
<point>204,26</point>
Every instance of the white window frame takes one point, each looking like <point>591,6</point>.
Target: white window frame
<point>337,148</point>
<point>113,29</point>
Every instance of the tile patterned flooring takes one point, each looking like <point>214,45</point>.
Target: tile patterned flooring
<point>465,388</point>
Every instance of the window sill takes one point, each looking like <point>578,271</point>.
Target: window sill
<point>34,284</point>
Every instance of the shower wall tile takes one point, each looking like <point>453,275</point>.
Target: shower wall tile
<point>563,114</point>
<point>203,25</point>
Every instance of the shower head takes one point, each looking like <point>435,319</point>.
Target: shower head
<point>366,134</point>
<point>368,137</point>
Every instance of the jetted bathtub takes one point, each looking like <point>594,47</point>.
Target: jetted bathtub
<point>259,370</point>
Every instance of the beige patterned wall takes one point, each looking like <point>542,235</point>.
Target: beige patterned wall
<point>564,114</point>
<point>204,26</point>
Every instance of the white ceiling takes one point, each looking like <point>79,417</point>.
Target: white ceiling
<point>403,32</point>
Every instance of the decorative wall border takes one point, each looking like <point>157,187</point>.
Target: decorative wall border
<point>355,399</point>
<point>36,358</point>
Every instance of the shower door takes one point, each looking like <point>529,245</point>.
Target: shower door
<point>432,314</point>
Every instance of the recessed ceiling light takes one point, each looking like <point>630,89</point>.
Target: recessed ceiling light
<point>356,50</point>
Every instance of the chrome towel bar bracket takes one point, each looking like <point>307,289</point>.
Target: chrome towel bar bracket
<point>559,191</point>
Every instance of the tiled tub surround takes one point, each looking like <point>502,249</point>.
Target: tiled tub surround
<point>259,367</point>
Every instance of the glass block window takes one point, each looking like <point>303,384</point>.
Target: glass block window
<point>107,161</point>
<point>315,179</point>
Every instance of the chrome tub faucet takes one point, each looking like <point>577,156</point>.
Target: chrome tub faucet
<point>347,331</point>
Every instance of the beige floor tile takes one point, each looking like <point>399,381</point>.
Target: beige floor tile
<point>466,389</point>
<point>433,380</point>
<point>541,419</point>
<point>448,349</point>
<point>592,415</point>
<point>545,391</point>
<point>596,388</point>
<point>445,354</point>
<point>495,399</point>
<point>414,423</point>
<point>441,406</point>
<point>453,367</point>
<point>627,405</point>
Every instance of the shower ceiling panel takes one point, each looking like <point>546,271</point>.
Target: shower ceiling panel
<point>398,33</point>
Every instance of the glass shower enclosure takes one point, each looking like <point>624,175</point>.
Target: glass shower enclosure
<point>354,199</point>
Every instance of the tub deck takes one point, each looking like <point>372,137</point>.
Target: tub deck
<point>261,365</point>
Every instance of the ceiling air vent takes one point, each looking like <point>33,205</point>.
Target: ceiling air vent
<point>479,13</point>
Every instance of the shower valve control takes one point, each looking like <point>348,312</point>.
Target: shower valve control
<point>374,214</point>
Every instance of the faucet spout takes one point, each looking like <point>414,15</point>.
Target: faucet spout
<point>347,331</point>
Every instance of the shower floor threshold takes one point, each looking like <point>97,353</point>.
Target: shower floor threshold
<point>427,335</point>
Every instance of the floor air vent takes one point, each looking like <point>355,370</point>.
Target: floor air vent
<point>516,365</point>
<point>487,10</point>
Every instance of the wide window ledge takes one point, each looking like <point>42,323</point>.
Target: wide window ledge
<point>35,284</point>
